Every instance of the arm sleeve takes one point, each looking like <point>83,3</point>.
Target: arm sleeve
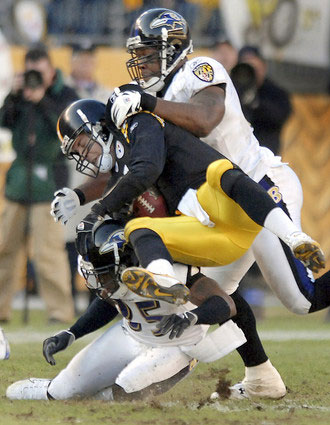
<point>98,314</point>
<point>203,72</point>
<point>213,310</point>
<point>146,163</point>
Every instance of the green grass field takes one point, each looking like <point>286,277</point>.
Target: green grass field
<point>298,346</point>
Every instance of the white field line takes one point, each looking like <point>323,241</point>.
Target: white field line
<point>23,336</point>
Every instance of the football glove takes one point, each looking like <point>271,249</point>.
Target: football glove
<point>127,100</point>
<point>84,231</point>
<point>64,205</point>
<point>56,343</point>
<point>176,323</point>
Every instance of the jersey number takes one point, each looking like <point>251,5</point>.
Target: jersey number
<point>144,307</point>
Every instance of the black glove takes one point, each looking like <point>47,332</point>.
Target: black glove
<point>84,229</point>
<point>56,343</point>
<point>176,323</point>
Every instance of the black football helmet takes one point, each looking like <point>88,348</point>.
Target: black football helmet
<point>167,32</point>
<point>107,256</point>
<point>86,115</point>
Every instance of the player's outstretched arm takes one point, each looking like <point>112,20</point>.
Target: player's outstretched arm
<point>98,314</point>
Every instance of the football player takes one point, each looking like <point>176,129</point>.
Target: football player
<point>146,352</point>
<point>78,130</point>
<point>198,95</point>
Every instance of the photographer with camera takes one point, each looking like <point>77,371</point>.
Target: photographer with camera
<point>265,105</point>
<point>30,111</point>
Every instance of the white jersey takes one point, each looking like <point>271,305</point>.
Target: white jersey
<point>233,137</point>
<point>140,316</point>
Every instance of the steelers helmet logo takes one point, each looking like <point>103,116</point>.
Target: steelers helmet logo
<point>170,20</point>
<point>204,72</point>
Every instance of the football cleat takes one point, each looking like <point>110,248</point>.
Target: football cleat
<point>306,250</point>
<point>155,286</point>
<point>4,346</point>
<point>261,381</point>
<point>28,389</point>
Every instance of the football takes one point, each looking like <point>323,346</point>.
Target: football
<point>150,204</point>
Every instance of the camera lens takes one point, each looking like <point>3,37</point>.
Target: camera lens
<point>32,79</point>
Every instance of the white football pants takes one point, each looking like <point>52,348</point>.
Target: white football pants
<point>115,357</point>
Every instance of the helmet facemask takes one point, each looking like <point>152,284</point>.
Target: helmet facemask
<point>103,281</point>
<point>107,256</point>
<point>168,54</point>
<point>97,134</point>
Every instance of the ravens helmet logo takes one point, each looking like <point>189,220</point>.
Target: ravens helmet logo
<point>170,20</point>
<point>116,238</point>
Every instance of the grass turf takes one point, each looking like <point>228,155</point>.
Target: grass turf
<point>303,364</point>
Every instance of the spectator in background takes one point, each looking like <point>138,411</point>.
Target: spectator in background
<point>269,108</point>
<point>82,79</point>
<point>30,111</point>
<point>224,52</point>
<point>82,76</point>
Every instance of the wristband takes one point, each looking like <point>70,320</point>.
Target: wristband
<point>99,209</point>
<point>148,102</point>
<point>81,196</point>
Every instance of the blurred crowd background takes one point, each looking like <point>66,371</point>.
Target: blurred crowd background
<point>289,42</point>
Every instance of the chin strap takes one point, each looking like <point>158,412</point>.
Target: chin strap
<point>106,160</point>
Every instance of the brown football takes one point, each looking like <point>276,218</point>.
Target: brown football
<point>150,204</point>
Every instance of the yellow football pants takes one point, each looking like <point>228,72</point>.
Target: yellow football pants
<point>190,242</point>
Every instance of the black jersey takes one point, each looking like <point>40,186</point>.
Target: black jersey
<point>155,152</point>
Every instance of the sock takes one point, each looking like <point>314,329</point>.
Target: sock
<point>252,352</point>
<point>148,246</point>
<point>248,194</point>
<point>161,266</point>
<point>321,298</point>
<point>280,224</point>
<point>257,372</point>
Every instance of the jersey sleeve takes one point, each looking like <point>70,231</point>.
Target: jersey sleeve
<point>202,72</point>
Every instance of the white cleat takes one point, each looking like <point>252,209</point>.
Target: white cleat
<point>268,384</point>
<point>28,389</point>
<point>306,250</point>
<point>4,346</point>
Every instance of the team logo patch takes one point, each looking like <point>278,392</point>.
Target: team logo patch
<point>119,149</point>
<point>81,226</point>
<point>204,72</point>
<point>170,20</point>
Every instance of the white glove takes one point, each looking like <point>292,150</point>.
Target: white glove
<point>124,105</point>
<point>64,205</point>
